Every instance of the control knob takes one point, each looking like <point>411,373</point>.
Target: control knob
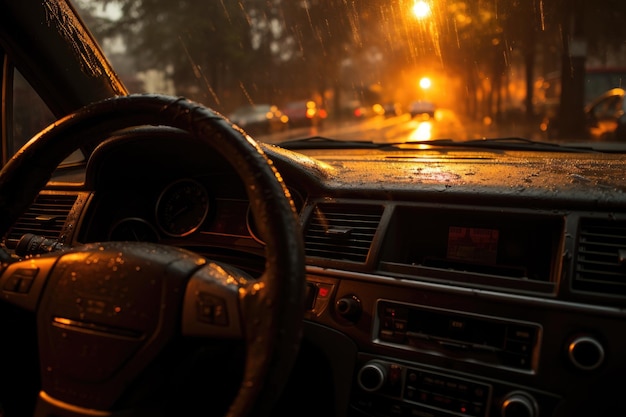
<point>586,353</point>
<point>519,404</point>
<point>372,376</point>
<point>349,307</point>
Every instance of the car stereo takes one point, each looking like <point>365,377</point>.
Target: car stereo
<point>489,340</point>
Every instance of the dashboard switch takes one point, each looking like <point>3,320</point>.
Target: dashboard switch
<point>586,353</point>
<point>372,376</point>
<point>349,307</point>
<point>519,404</point>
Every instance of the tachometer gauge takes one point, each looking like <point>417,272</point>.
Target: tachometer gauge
<point>182,207</point>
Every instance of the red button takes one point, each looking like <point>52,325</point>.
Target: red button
<point>323,291</point>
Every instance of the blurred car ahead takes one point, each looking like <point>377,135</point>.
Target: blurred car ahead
<point>392,109</point>
<point>303,113</point>
<point>366,111</point>
<point>606,116</point>
<point>422,108</point>
<point>259,119</point>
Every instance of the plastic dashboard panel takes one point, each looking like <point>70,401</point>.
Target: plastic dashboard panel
<point>423,303</point>
<point>472,311</point>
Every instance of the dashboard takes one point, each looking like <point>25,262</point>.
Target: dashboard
<point>465,283</point>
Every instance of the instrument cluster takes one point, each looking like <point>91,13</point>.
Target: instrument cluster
<point>180,209</point>
<point>183,208</point>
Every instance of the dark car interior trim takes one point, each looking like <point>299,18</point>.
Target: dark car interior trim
<point>436,285</point>
<point>516,315</point>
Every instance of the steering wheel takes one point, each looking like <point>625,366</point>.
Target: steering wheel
<point>106,312</point>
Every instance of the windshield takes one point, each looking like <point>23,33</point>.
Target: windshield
<point>387,71</point>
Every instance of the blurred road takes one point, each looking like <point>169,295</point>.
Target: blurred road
<point>445,124</point>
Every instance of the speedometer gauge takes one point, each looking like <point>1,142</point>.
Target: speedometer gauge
<point>133,229</point>
<point>182,207</point>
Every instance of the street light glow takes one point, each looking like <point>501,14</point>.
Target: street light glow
<point>421,9</point>
<point>425,83</point>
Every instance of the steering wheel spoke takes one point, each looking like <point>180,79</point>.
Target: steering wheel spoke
<point>211,307</point>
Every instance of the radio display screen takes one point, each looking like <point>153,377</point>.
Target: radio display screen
<point>513,245</point>
<point>473,244</point>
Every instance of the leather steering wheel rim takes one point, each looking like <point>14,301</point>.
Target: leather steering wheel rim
<point>272,345</point>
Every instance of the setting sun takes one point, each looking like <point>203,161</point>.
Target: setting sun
<point>425,83</point>
<point>421,9</point>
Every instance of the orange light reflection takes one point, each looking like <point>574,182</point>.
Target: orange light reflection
<point>421,9</point>
<point>424,131</point>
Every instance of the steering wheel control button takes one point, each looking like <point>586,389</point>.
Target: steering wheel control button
<point>21,280</point>
<point>212,309</point>
<point>586,353</point>
<point>211,306</point>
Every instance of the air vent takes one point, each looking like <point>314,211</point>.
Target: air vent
<point>45,217</point>
<point>342,231</point>
<point>601,257</point>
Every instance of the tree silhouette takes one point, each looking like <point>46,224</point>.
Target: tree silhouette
<point>203,46</point>
<point>228,52</point>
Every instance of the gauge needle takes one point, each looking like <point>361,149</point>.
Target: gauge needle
<point>181,211</point>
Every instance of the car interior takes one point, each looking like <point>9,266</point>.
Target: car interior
<point>184,268</point>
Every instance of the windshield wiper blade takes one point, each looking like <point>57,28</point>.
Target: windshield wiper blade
<point>503,143</point>
<point>512,141</point>
<point>321,142</point>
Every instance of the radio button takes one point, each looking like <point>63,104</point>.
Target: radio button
<point>518,347</point>
<point>521,333</point>
<point>514,360</point>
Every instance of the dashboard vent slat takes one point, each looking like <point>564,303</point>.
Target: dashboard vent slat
<point>45,217</point>
<point>601,257</point>
<point>342,231</point>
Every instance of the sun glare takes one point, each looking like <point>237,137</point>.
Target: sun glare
<point>425,83</point>
<point>421,9</point>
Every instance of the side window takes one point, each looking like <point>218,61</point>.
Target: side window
<point>30,113</point>
<point>30,116</point>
